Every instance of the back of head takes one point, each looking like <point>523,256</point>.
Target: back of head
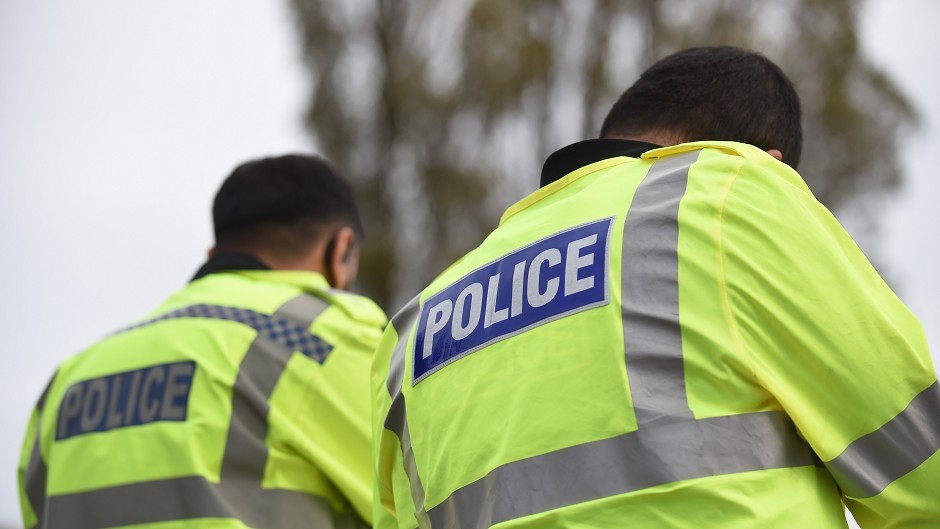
<point>284,204</point>
<point>719,93</point>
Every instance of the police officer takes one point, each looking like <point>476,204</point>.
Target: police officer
<point>242,400</point>
<point>671,332</point>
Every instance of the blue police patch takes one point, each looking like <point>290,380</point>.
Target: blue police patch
<point>156,393</point>
<point>556,276</point>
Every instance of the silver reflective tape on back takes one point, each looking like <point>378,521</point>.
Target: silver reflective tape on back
<point>644,458</point>
<point>411,469</point>
<point>874,461</point>
<point>402,323</point>
<point>396,419</point>
<point>246,451</point>
<point>650,293</point>
<point>195,497</point>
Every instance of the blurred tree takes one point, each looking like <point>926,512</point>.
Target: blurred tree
<point>441,112</point>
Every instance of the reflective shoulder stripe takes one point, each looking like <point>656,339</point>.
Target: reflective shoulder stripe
<point>396,419</point>
<point>876,460</point>
<point>402,323</point>
<point>246,451</point>
<point>643,458</point>
<point>195,497</point>
<point>239,493</point>
<point>650,293</point>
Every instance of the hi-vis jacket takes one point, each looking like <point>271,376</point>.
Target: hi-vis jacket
<point>242,401</point>
<point>687,339</point>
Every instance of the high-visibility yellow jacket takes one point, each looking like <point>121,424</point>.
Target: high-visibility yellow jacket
<point>242,401</point>
<point>687,339</point>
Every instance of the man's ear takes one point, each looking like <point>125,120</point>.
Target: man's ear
<point>775,153</point>
<point>341,264</point>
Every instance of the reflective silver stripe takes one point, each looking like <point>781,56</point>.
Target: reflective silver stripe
<point>876,460</point>
<point>36,473</point>
<point>402,323</point>
<point>644,458</point>
<point>239,493</point>
<point>36,470</point>
<point>650,293</point>
<point>194,497</point>
<point>396,419</point>
<point>411,469</point>
<point>246,452</point>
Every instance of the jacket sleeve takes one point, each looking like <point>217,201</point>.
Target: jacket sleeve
<point>333,419</point>
<point>31,471</point>
<point>834,346</point>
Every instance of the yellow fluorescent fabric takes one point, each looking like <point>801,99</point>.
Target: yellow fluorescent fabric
<point>314,423</point>
<point>783,361</point>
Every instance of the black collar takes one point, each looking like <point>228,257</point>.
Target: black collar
<point>577,155</point>
<point>228,261</point>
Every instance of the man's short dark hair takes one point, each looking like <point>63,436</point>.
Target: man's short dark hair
<point>713,93</point>
<point>294,196</point>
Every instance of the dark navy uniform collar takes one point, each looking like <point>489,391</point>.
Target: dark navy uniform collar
<point>229,261</point>
<point>577,155</point>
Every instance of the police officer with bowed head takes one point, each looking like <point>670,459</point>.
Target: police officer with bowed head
<point>672,333</point>
<point>242,400</point>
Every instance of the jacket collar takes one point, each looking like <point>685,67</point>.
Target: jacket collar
<point>248,265</point>
<point>227,262</point>
<point>577,155</point>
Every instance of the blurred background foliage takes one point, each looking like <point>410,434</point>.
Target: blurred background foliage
<point>441,112</point>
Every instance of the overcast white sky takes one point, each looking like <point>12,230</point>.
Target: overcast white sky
<point>118,120</point>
